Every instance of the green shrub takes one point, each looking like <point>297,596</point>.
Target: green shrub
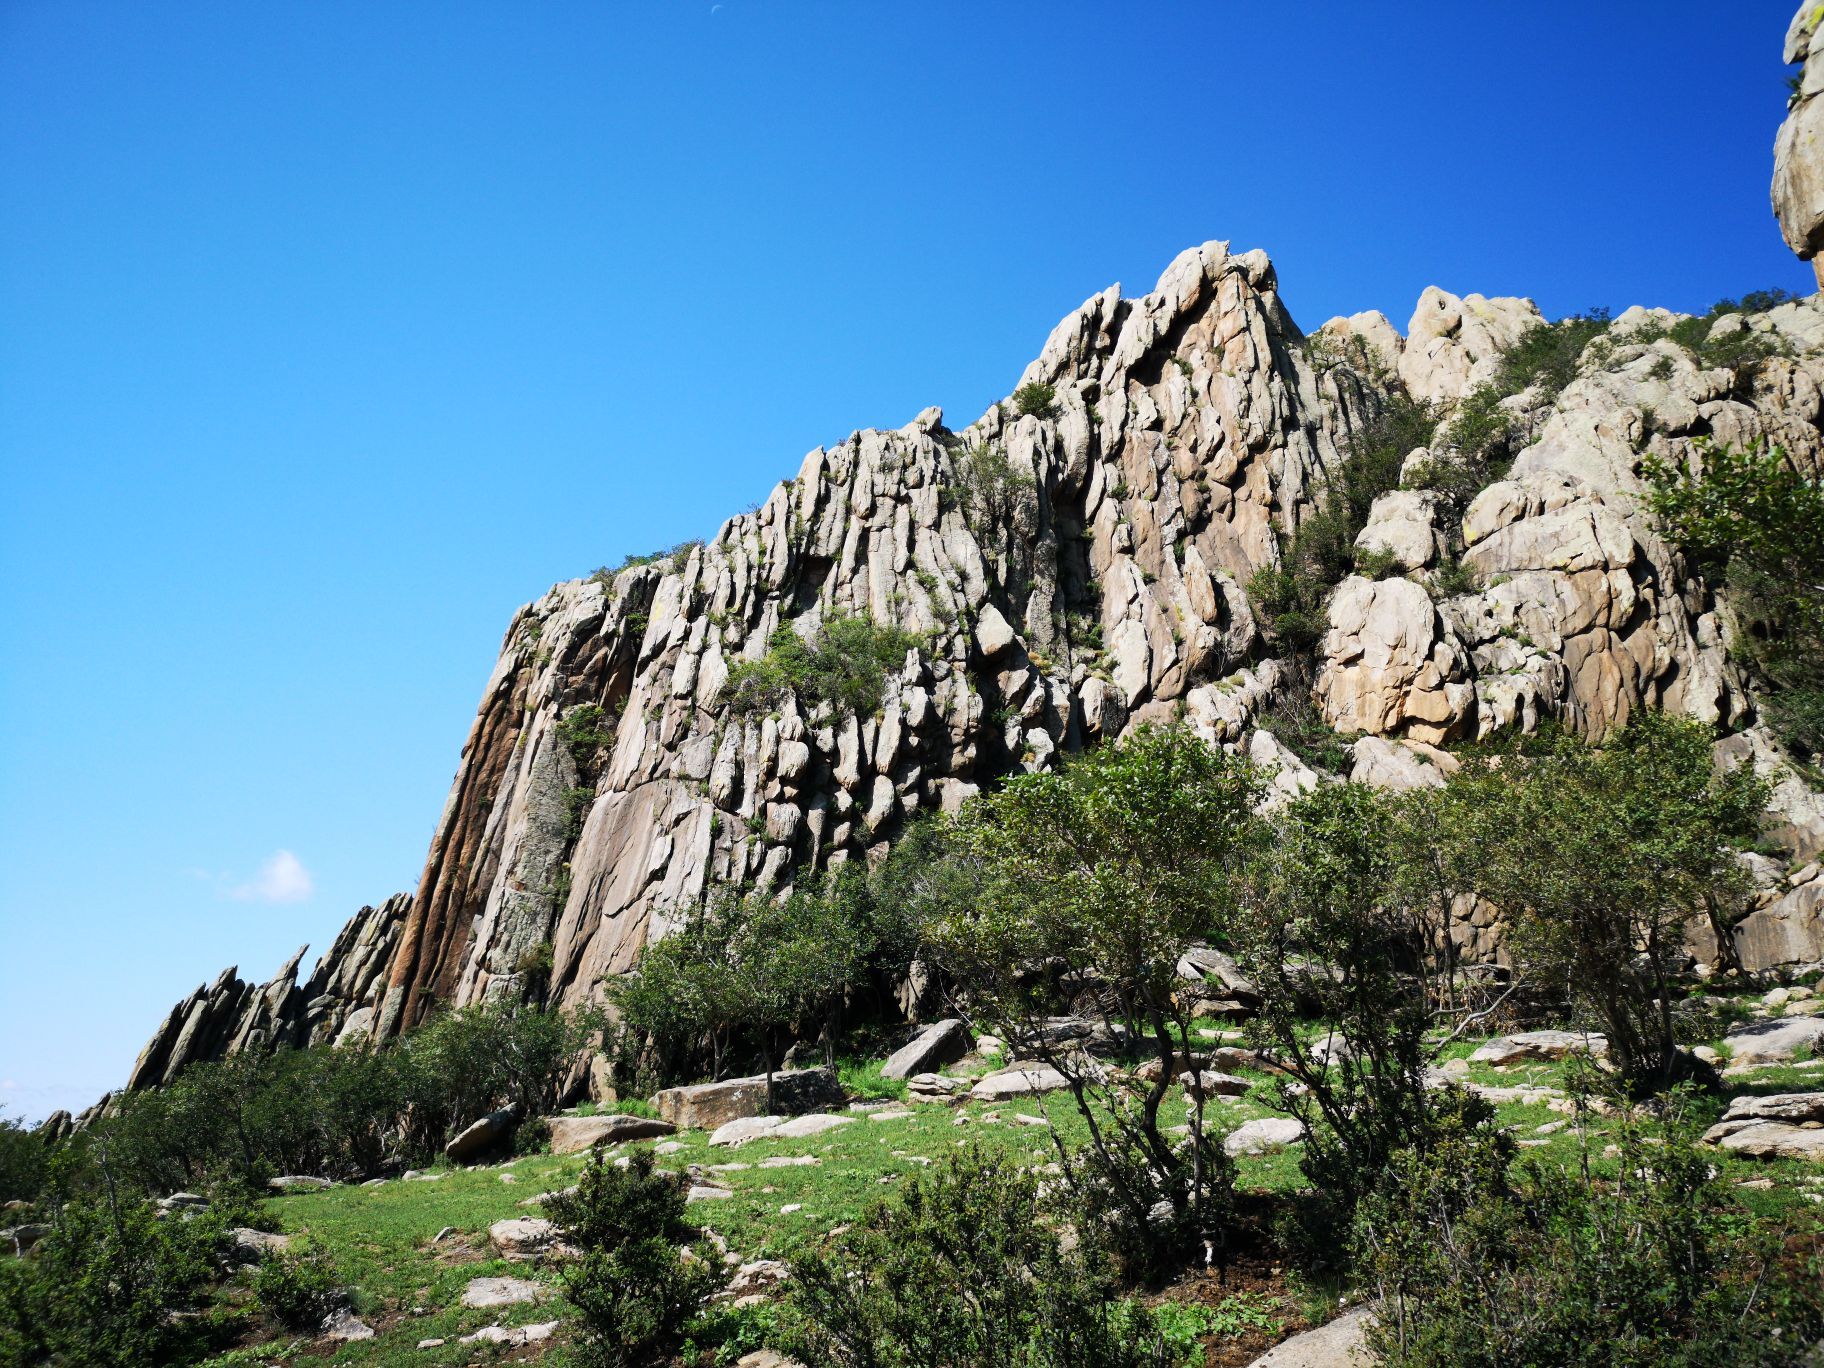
<point>635,1289</point>
<point>1546,354</point>
<point>988,487</point>
<point>22,1162</point>
<point>1329,938</point>
<point>1376,562</point>
<point>586,730</point>
<point>1105,872</point>
<point>296,1287</point>
<point>1596,860</point>
<point>961,1267</point>
<point>844,667</point>
<point>1754,520</point>
<point>1036,399</point>
<point>1474,1264</point>
<point>112,1284</point>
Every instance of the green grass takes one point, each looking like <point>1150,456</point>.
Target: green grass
<point>380,1238</point>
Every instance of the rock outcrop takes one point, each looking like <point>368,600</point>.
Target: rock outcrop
<point>1798,150</point>
<point>336,1003</point>
<point>1068,567</point>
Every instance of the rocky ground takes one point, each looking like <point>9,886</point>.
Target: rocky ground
<point>457,1265</point>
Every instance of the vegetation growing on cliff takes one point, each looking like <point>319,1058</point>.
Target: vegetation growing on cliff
<point>843,666</point>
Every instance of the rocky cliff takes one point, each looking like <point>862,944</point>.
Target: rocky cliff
<point>1071,565</point>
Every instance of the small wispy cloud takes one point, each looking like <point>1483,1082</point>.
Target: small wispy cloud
<point>282,879</point>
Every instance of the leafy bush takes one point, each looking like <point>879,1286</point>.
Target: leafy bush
<point>1328,938</point>
<point>112,1284</point>
<point>1036,398</point>
<point>1104,873</point>
<point>1474,1264</point>
<point>296,1287</point>
<point>988,486</point>
<point>1289,597</point>
<point>586,730</point>
<point>844,666</point>
<point>1376,562</point>
<point>644,1272</point>
<point>22,1162</point>
<point>1546,355</point>
<point>1596,860</point>
<point>1755,520</point>
<point>1470,453</point>
<point>962,1268</point>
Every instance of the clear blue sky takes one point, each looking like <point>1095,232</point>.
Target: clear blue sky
<point>332,332</point>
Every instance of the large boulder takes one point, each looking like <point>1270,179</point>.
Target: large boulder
<point>571,1134</point>
<point>524,1238</point>
<point>1773,1042</point>
<point>1539,1045</point>
<point>1341,1343</point>
<point>705,1106</point>
<point>480,1137</point>
<point>1264,1135</point>
<point>490,1292</point>
<point>1024,1081</point>
<point>941,1043</point>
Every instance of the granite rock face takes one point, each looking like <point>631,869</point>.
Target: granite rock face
<point>336,1003</point>
<point>1798,150</point>
<point>1069,573</point>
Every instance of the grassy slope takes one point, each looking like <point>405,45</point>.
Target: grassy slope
<point>381,1237</point>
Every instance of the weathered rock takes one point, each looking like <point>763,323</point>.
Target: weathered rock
<point>523,1238</point>
<point>1768,1139</point>
<point>16,1240</point>
<point>489,1292</point>
<point>803,1127</point>
<point>1341,1343</point>
<point>343,1324</point>
<point>1773,1042</point>
<point>1790,1107</point>
<point>298,1182</point>
<point>570,1134</point>
<point>705,1106</point>
<point>228,1016</point>
<point>1798,151</point>
<point>511,1337</point>
<point>932,1087</point>
<point>1393,666</point>
<point>479,1137</point>
<point>941,1043</point>
<point>257,1244</point>
<point>1019,1082</point>
<point>1263,1135</point>
<point>1540,1045</point>
<point>745,1128</point>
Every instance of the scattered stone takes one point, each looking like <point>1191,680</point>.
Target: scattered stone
<point>1768,1140</point>
<point>668,1147</point>
<point>941,1043</point>
<point>745,1128</point>
<point>524,1334</point>
<point>1772,1042</point>
<point>1340,1344</point>
<point>702,1192</point>
<point>1263,1135</point>
<point>486,1292</point>
<point>891,1114</point>
<point>933,1087</point>
<point>790,1161</point>
<point>573,1134</point>
<point>803,1127</point>
<point>183,1201</point>
<point>431,1343</point>
<point>1795,1108</point>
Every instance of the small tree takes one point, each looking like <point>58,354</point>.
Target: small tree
<point>1327,936</point>
<point>1083,889</point>
<point>644,1272</point>
<point>1598,859</point>
<point>1755,519</point>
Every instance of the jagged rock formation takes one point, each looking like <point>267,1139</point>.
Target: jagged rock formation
<point>336,1003</point>
<point>1798,151</point>
<point>1073,566</point>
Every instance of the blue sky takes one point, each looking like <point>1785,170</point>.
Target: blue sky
<point>332,332</point>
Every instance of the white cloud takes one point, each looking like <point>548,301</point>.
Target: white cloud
<point>282,879</point>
